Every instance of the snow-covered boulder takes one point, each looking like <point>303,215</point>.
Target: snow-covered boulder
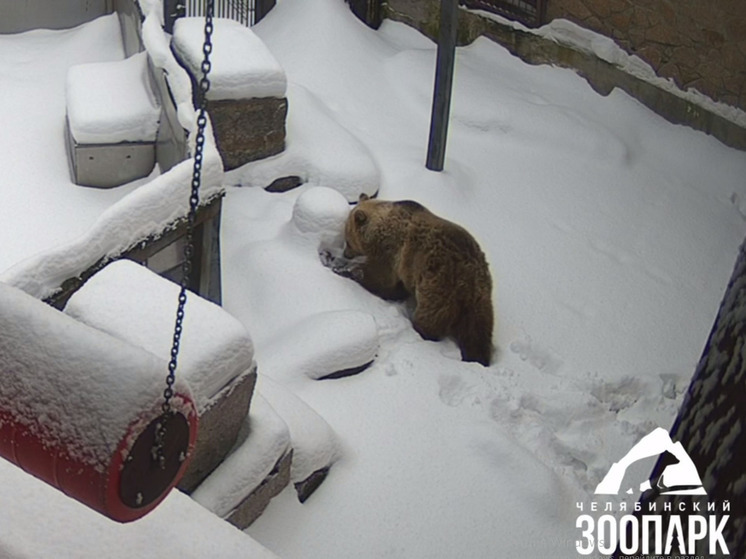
<point>326,345</point>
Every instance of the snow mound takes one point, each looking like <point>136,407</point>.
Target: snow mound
<point>319,215</point>
<point>136,305</point>
<point>318,149</point>
<point>112,102</point>
<point>242,66</point>
<point>314,443</point>
<point>264,440</point>
<point>323,345</point>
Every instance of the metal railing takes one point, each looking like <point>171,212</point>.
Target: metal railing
<point>529,12</point>
<point>242,11</point>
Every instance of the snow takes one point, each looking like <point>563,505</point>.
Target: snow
<point>242,66</point>
<point>107,384</point>
<point>42,522</point>
<point>135,305</point>
<point>112,102</point>
<point>610,233</point>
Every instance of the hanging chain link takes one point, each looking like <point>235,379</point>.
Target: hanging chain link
<point>186,267</point>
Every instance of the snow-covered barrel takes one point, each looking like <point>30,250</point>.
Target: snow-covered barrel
<point>79,409</point>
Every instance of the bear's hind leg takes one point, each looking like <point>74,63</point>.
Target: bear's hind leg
<point>430,321</point>
<point>473,334</point>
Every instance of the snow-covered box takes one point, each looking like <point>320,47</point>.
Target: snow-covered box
<point>112,121</point>
<point>246,100</point>
<point>216,354</point>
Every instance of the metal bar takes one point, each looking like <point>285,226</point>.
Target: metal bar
<point>436,149</point>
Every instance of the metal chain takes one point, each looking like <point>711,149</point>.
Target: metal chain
<point>186,267</point>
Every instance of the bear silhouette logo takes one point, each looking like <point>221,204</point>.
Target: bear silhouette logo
<point>679,478</point>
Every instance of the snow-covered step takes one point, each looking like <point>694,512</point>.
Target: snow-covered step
<point>256,470</point>
<point>283,440</point>
<point>315,445</point>
<point>112,121</point>
<point>216,354</point>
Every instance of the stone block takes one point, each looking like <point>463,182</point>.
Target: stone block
<point>248,129</point>
<point>219,426</point>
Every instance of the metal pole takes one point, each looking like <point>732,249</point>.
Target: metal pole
<point>436,149</point>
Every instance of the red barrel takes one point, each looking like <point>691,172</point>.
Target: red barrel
<point>126,488</point>
<point>79,409</point>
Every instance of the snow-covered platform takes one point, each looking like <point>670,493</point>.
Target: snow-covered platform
<point>112,121</point>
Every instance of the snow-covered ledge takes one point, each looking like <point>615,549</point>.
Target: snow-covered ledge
<point>246,99</point>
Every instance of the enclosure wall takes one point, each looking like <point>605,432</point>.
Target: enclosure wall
<point>700,45</point>
<point>17,16</point>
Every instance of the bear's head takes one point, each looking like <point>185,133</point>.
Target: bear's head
<point>356,225</point>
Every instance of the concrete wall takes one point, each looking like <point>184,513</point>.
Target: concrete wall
<point>17,16</point>
<point>698,44</point>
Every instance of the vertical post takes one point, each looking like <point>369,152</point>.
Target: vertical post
<point>436,150</point>
<point>262,8</point>
<point>172,10</point>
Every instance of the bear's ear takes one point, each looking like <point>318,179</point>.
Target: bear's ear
<point>363,197</point>
<point>360,217</point>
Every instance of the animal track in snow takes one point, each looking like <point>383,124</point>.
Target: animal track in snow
<point>540,358</point>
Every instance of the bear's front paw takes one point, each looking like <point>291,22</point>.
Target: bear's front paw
<point>327,258</point>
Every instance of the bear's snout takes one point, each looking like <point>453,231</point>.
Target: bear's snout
<point>348,252</point>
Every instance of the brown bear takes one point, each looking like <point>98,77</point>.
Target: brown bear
<point>401,249</point>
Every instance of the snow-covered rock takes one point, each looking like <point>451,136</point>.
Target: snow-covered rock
<point>242,66</point>
<point>324,345</point>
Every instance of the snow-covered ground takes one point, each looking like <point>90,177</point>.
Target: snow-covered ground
<point>610,234</point>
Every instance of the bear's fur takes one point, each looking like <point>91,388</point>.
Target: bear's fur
<point>401,249</point>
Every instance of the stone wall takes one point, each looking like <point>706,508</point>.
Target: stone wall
<point>700,45</point>
<point>601,75</point>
